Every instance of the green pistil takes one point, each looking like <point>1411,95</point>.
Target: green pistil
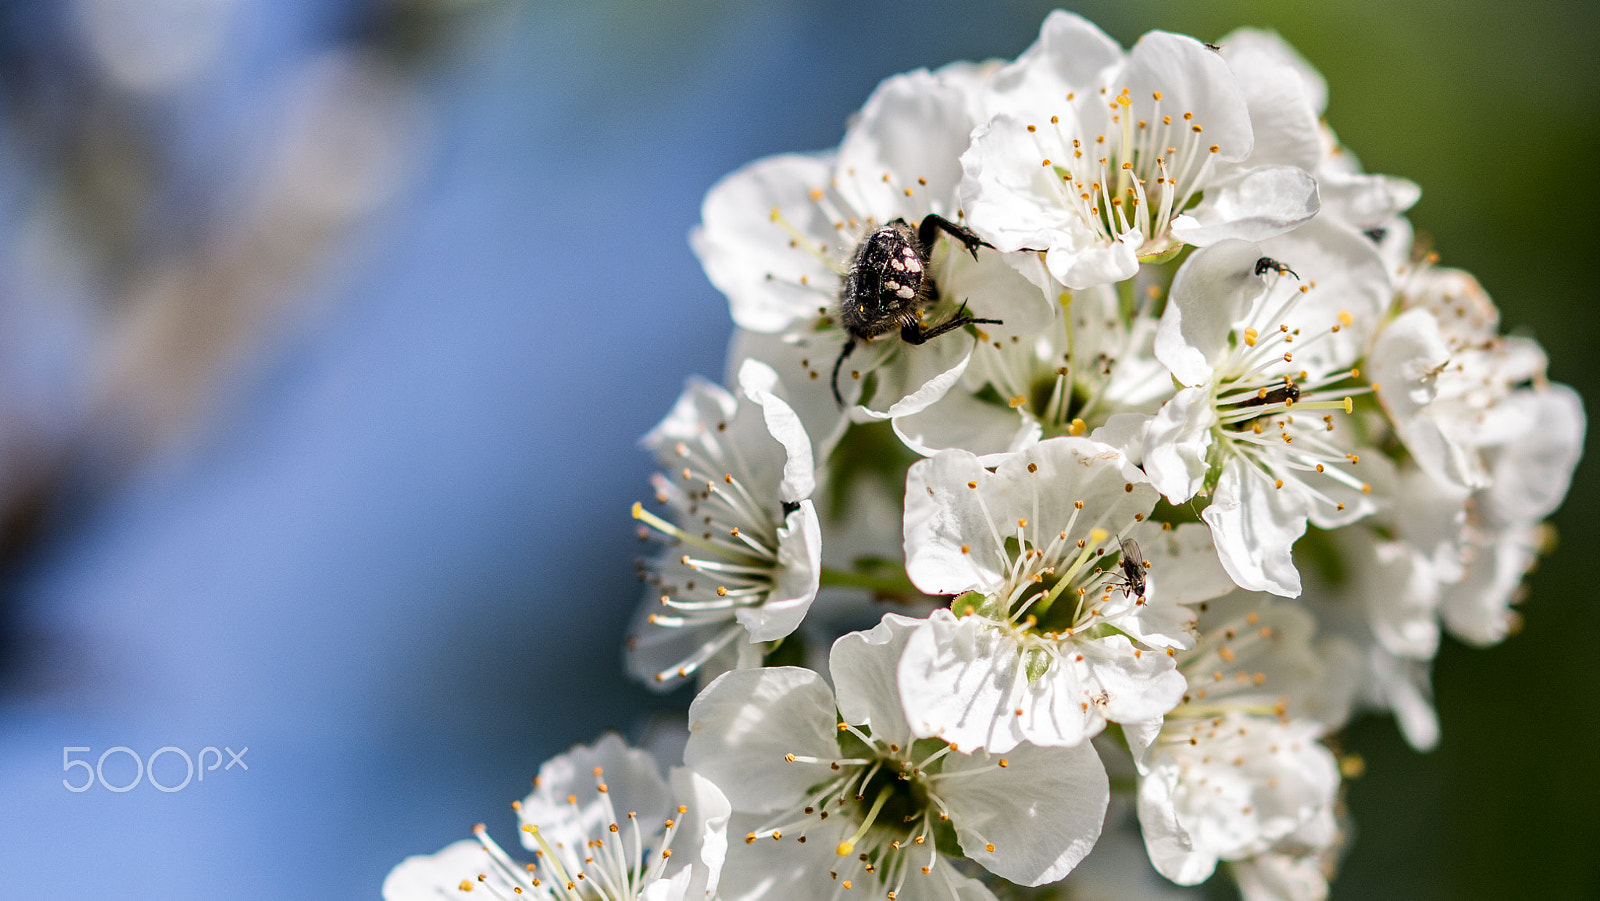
<point>848,846</point>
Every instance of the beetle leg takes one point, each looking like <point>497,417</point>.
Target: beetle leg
<point>849,345</point>
<point>928,232</point>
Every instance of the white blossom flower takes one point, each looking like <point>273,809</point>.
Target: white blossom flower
<point>1042,646</point>
<point>1285,876</point>
<point>1452,385</point>
<point>863,801</point>
<point>1119,870</point>
<point>601,823</point>
<point>1104,161</point>
<point>745,554</point>
<point>1237,770</point>
<point>1260,333</point>
<point>1092,362</point>
<point>1496,440</point>
<point>1380,603</point>
<point>779,235</point>
<point>1472,550</point>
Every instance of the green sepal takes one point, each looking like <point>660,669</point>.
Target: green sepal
<point>1162,256</point>
<point>967,604</point>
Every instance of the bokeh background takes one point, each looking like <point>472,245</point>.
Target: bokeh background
<point>327,331</point>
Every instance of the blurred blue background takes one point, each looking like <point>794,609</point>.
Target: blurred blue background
<point>327,331</point>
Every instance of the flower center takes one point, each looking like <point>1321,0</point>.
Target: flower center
<point>1146,172</point>
<point>881,810</point>
<point>1266,410</point>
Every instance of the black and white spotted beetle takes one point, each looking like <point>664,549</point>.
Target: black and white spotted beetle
<point>887,286</point>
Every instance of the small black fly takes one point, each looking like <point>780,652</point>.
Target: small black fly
<point>1133,569</point>
<point>1268,264</point>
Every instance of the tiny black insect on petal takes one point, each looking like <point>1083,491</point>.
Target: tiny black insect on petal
<point>1268,264</point>
<point>1133,569</point>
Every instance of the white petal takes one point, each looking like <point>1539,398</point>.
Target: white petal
<point>1012,287</point>
<point>791,871</point>
<point>633,782</point>
<point>1252,205</point>
<point>1402,600</point>
<point>740,245</point>
<point>1349,277</point>
<point>958,677</point>
<point>744,723</point>
<point>1283,111</point>
<point>960,420</point>
<point>1184,567</point>
<point>1531,475</point>
<point>1127,432</point>
<point>1477,608</point>
<point>941,515</point>
<point>1042,812</point>
<point>1405,363</point>
<point>1210,293</point>
<point>965,681</point>
<point>1365,201</point>
<point>429,877</point>
<point>1192,78</point>
<point>675,888</point>
<point>810,357</point>
<point>1267,45</point>
<point>1179,442</point>
<point>1281,877</point>
<point>1254,525</point>
<point>864,667</point>
<point>799,574</point>
<point>918,378</point>
<point>1081,264</point>
<point>914,126</point>
<point>701,402</point>
<point>1140,737</point>
<point>1127,683</point>
<point>1008,196</point>
<point>760,383</point>
<point>702,836</point>
<point>1048,483</point>
<point>1171,849</point>
<point>1069,55</point>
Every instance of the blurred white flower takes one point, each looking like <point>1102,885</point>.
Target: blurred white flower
<point>1238,770</point>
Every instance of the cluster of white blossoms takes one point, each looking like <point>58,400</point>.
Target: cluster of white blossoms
<point>1097,441</point>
